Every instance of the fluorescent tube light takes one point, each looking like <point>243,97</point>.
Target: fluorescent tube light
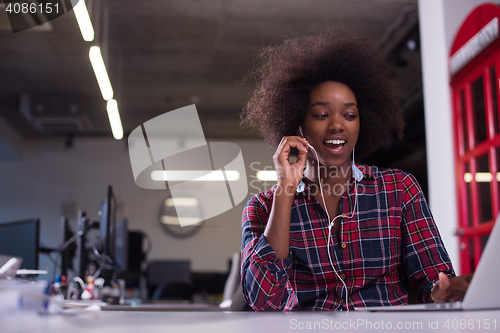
<point>468,177</point>
<point>484,177</point>
<point>100,72</point>
<point>114,119</point>
<point>480,177</point>
<point>177,202</point>
<point>194,175</point>
<point>84,22</point>
<point>267,175</point>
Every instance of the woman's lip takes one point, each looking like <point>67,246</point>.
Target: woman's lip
<point>333,150</point>
<point>335,140</point>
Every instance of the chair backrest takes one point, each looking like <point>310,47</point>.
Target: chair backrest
<point>233,279</point>
<point>233,296</point>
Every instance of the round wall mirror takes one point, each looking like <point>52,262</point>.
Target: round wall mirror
<point>189,208</point>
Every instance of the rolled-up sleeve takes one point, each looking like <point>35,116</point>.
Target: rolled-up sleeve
<point>264,277</point>
<point>424,251</point>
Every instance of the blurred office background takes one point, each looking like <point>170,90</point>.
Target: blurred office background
<point>57,151</point>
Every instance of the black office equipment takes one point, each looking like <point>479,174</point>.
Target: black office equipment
<point>108,224</point>
<point>81,250</point>
<point>110,253</point>
<point>21,239</point>
<point>121,244</point>
<point>169,279</point>
<point>136,256</point>
<point>67,249</point>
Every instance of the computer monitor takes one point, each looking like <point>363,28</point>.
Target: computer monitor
<point>121,246</point>
<point>107,224</point>
<point>21,239</point>
<point>113,236</point>
<point>68,248</point>
<point>113,241</point>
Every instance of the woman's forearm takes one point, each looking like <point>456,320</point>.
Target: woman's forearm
<point>277,231</point>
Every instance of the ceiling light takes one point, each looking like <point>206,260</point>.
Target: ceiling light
<point>467,177</point>
<point>195,175</point>
<point>100,72</point>
<point>267,175</point>
<point>84,22</point>
<point>114,119</point>
<point>480,177</point>
<point>484,177</point>
<point>411,44</point>
<point>186,202</point>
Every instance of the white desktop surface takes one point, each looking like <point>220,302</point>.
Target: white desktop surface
<point>153,322</point>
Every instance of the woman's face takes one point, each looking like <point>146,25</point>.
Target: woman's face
<point>331,123</point>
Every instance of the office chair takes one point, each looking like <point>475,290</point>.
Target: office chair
<point>233,298</point>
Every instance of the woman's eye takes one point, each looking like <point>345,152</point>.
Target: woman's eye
<point>321,116</point>
<point>351,116</point>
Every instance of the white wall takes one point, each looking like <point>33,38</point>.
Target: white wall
<point>50,179</point>
<point>439,23</point>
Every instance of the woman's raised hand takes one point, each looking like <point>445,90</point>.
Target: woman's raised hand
<point>290,174</point>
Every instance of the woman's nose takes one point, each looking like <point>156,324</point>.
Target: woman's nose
<point>336,123</point>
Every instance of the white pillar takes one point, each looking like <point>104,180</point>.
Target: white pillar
<point>438,123</point>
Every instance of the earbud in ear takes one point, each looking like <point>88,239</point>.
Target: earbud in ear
<point>302,134</point>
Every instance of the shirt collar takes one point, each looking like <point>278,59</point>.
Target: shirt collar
<point>367,171</point>
<point>359,173</point>
<point>301,187</point>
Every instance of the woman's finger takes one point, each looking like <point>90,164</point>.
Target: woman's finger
<point>284,148</point>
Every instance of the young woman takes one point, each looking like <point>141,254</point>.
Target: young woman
<point>335,235</point>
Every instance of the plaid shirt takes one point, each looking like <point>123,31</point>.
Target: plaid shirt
<point>390,241</point>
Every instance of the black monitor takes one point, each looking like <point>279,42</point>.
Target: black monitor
<point>20,239</point>
<point>121,246</point>
<point>113,235</point>
<point>68,247</point>
<point>113,241</point>
<point>107,224</point>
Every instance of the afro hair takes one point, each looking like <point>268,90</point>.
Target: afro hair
<point>286,74</point>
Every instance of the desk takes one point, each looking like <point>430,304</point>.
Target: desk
<point>215,322</point>
<point>177,307</point>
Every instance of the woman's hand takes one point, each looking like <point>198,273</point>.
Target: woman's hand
<point>450,289</point>
<point>290,174</point>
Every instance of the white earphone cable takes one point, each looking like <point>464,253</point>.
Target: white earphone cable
<point>330,222</point>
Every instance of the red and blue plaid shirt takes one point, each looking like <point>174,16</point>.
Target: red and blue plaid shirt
<point>390,241</point>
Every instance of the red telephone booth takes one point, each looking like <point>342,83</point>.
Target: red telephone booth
<point>475,68</point>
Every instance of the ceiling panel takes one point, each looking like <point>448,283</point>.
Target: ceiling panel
<point>162,55</point>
